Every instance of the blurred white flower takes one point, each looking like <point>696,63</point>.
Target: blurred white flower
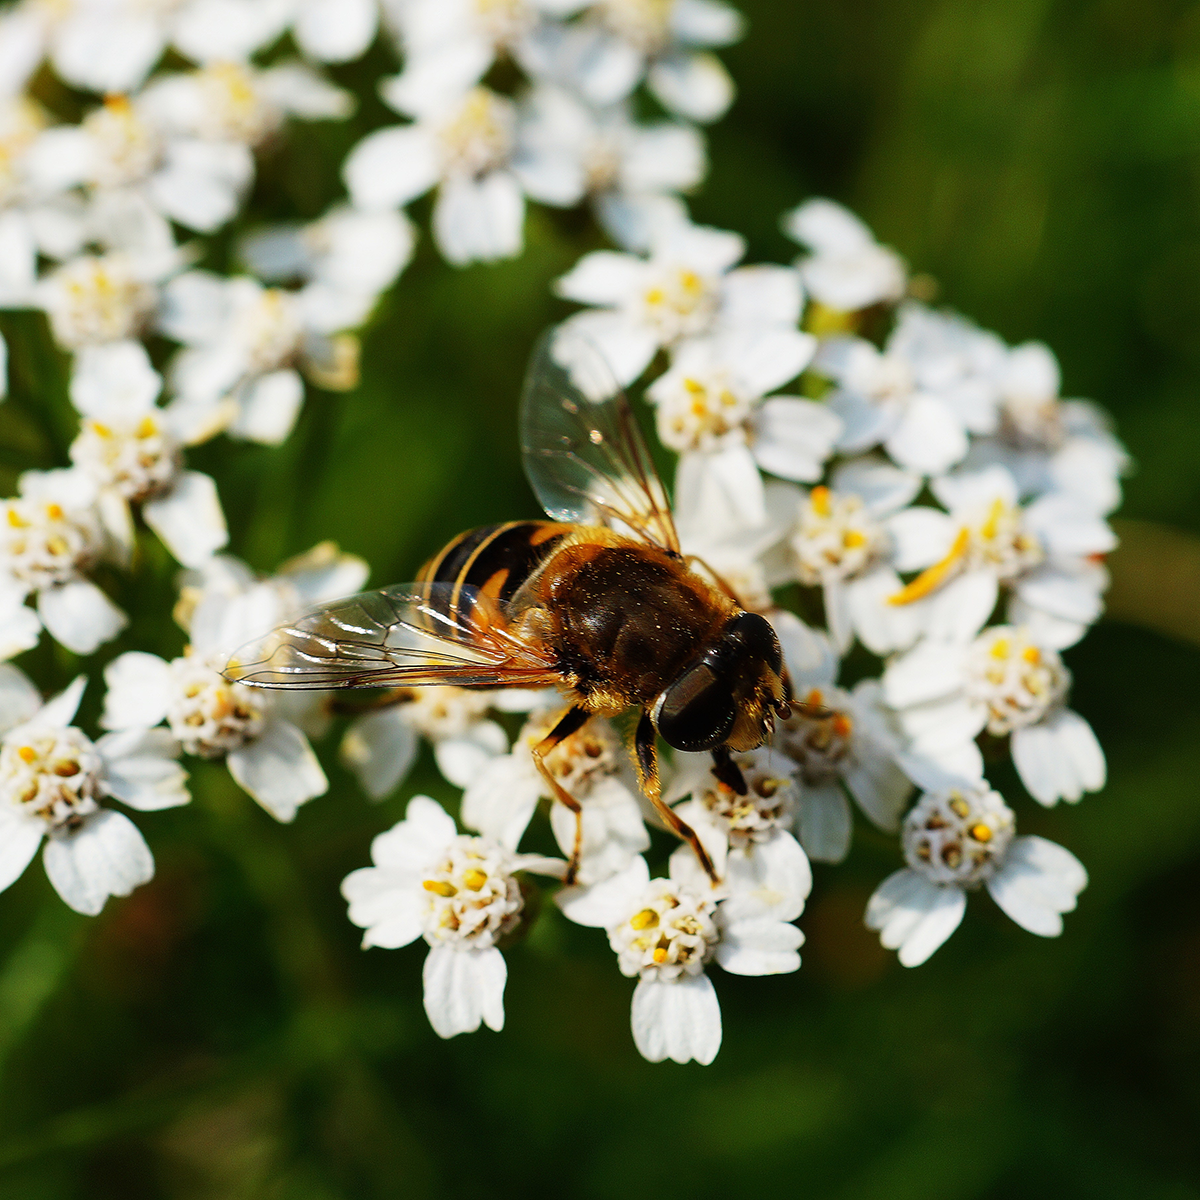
<point>592,767</point>
<point>131,449</point>
<point>684,288</point>
<point>955,840</point>
<point>846,269</point>
<point>946,693</point>
<point>665,931</point>
<point>621,42</point>
<point>50,537</point>
<point>52,779</point>
<point>334,31</point>
<point>1045,554</point>
<point>459,893</point>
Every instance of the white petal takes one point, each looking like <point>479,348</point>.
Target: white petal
<point>760,947</point>
<point>696,86</point>
<point>20,836</point>
<point>387,905</point>
<point>719,487</point>
<point>462,759</point>
<point>279,769</point>
<point>269,408</point>
<point>793,438</point>
<point>706,22</point>
<point>202,182</point>
<point>608,903</point>
<point>499,802</point>
<point>106,856</point>
<point>768,879</point>
<point>336,30</point>
<point>79,615</point>
<point>1072,595</point>
<point>929,671</point>
<point>188,518</point>
<point>19,699</point>
<point>139,769</point>
<point>61,709</point>
<point>390,167</point>
<point>825,822</point>
<point>380,748</point>
<point>614,832</point>
<point>479,220</point>
<point>930,438</point>
<point>975,490</point>
<point>464,988</point>
<point>884,489</point>
<point>811,660</point>
<point>881,627</point>
<point>763,359</point>
<point>626,345</point>
<point>958,610</point>
<point>680,1020</point>
<point>107,50</point>
<point>19,627</point>
<point>418,841</point>
<point>1059,758</point>
<point>1038,881</point>
<point>914,915</point>
<point>922,536</point>
<point>434,79</point>
<point>603,277</point>
<point>1069,528</point>
<point>668,156</point>
<point>114,382</point>
<point>757,297</point>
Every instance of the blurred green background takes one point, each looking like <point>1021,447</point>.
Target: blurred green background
<point>220,1034</point>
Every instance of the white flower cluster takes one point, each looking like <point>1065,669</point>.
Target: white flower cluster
<point>917,489</point>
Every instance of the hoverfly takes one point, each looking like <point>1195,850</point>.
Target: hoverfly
<point>599,601</point>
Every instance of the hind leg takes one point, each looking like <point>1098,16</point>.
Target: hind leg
<point>572,720</point>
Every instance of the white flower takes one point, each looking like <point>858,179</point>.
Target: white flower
<point>955,840</point>
<point>50,537</point>
<point>52,779</point>
<point>667,42</point>
<point>710,409</point>
<point>664,932</point>
<point>381,746</point>
<point>590,766</point>
<point>683,289</point>
<point>566,149</point>
<point>132,451</point>
<point>260,734</point>
<point>946,693</point>
<point>243,343</point>
<point>209,31</point>
<point>839,539</point>
<point>1044,553</point>
<point>95,299</point>
<point>345,259</point>
<point>456,891</point>
<point>846,268</point>
<point>334,30</point>
<point>465,147</point>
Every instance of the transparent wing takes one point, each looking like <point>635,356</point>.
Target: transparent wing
<point>409,635</point>
<point>583,450</point>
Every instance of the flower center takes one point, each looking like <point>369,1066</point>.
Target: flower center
<point>471,897</point>
<point>94,300</point>
<point>209,715</point>
<point>234,109</point>
<point>646,24</point>
<point>127,149</point>
<point>1032,422</point>
<point>271,329</point>
<point>958,836</point>
<point>577,761</point>
<point>50,773</point>
<point>998,540</point>
<point>139,460</point>
<point>670,933</point>
<point>1017,680</point>
<point>479,135</point>
<point>678,303</point>
<point>504,21</point>
<point>834,537</point>
<point>820,744</point>
<point>699,414</point>
<point>43,542</point>
<point>769,802</point>
<point>443,712</point>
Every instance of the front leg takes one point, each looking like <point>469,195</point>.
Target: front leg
<point>727,771</point>
<point>646,758</point>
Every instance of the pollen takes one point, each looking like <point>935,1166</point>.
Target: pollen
<point>28,753</point>
<point>958,805</point>
<point>659,955</point>
<point>474,879</point>
<point>991,526</point>
<point>815,699</point>
<point>981,832</point>
<point>853,539</point>
<point>933,577</point>
<point>147,427</point>
<point>16,520</point>
<point>54,512</point>
<point>842,725</point>
<point>646,919</point>
<point>655,296</point>
<point>440,887</point>
<point>1032,655</point>
<point>819,498</point>
<point>1000,648</point>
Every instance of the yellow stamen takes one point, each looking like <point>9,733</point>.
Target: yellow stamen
<point>1000,648</point>
<point>646,919</point>
<point>1032,655</point>
<point>654,296</point>
<point>819,498</point>
<point>440,887</point>
<point>981,832</point>
<point>841,725</point>
<point>958,805</point>
<point>933,577</point>
<point>990,527</point>
<point>814,698</point>
<point>28,753</point>
<point>54,512</point>
<point>101,430</point>
<point>146,427</point>
<point>16,520</point>
<point>475,879</point>
<point>659,955</point>
<point>690,281</point>
<point>852,539</point>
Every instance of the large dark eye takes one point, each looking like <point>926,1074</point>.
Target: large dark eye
<point>757,638</point>
<point>696,711</point>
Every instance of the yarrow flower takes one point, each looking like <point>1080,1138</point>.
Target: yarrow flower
<point>53,778</point>
<point>462,894</point>
<point>956,840</point>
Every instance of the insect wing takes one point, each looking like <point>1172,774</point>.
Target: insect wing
<point>584,453</point>
<point>409,635</point>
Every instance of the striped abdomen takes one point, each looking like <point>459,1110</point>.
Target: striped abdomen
<point>494,559</point>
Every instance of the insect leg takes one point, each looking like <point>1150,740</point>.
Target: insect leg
<point>568,723</point>
<point>646,756</point>
<point>727,771</point>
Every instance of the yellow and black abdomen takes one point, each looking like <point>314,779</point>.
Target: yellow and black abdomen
<point>494,560</point>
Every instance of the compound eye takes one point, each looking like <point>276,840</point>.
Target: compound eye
<point>697,711</point>
<point>758,638</point>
